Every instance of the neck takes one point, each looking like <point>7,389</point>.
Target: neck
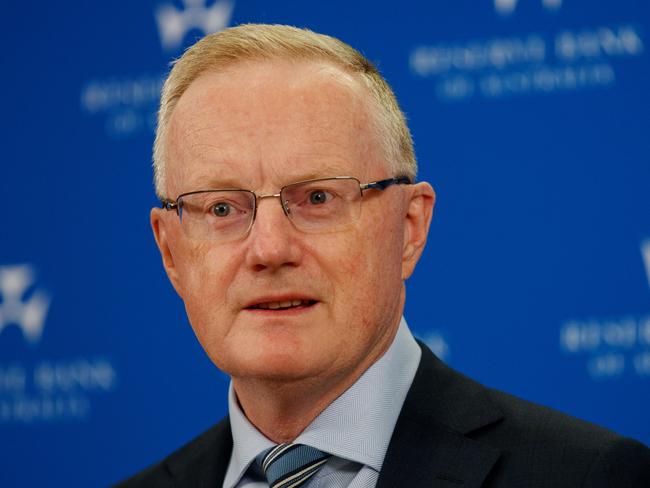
<point>282,409</point>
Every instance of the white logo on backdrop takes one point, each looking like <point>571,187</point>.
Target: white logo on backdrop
<point>645,252</point>
<point>533,63</point>
<point>568,60</point>
<point>507,7</point>
<point>174,23</point>
<point>44,390</point>
<point>28,314</point>
<point>613,345</point>
<point>129,104</point>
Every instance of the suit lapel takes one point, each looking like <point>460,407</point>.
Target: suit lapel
<point>204,462</point>
<point>430,446</point>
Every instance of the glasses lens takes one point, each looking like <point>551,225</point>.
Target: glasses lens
<point>217,215</point>
<point>323,205</point>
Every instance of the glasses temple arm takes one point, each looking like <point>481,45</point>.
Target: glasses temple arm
<point>167,205</point>
<point>383,184</point>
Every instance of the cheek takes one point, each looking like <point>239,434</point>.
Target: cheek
<point>204,276</point>
<point>382,263</point>
<point>363,263</point>
<point>382,248</point>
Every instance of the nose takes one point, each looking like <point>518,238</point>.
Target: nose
<point>273,242</point>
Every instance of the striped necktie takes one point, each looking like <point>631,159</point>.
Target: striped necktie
<point>290,465</point>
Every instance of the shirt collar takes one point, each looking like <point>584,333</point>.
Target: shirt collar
<point>357,425</point>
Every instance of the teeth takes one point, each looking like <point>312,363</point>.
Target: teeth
<point>285,304</point>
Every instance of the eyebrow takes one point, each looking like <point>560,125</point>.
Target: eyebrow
<point>212,183</point>
<point>325,170</point>
<point>227,183</point>
<point>316,176</point>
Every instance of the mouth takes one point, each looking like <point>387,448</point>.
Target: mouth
<point>281,305</point>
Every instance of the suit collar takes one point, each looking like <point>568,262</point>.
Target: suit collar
<point>431,444</point>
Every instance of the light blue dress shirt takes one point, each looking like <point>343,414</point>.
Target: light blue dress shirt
<point>356,427</point>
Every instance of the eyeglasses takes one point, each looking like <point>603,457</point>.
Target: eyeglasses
<point>314,206</point>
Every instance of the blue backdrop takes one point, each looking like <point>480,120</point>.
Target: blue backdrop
<point>530,119</point>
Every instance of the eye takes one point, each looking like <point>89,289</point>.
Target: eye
<point>221,209</point>
<point>318,197</point>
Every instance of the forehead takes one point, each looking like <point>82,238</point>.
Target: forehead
<point>267,123</point>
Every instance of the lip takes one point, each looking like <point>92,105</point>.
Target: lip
<point>280,312</point>
<point>285,297</point>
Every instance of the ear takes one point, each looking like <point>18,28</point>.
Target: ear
<point>159,225</point>
<point>419,209</point>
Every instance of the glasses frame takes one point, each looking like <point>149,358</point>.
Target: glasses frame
<point>381,185</point>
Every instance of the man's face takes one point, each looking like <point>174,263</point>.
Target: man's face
<point>261,125</point>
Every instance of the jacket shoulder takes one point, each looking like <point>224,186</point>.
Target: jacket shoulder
<point>538,446</point>
<point>200,462</point>
<point>562,448</point>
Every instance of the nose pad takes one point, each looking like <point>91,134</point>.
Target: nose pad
<point>286,208</point>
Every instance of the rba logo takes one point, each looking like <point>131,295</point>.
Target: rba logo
<point>645,252</point>
<point>507,7</point>
<point>174,23</point>
<point>15,309</point>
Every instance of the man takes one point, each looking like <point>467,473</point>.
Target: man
<point>301,303</point>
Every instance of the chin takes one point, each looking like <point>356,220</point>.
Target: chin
<point>269,366</point>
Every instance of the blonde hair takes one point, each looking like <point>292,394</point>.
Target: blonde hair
<point>261,41</point>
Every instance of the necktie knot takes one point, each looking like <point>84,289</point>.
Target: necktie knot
<point>290,465</point>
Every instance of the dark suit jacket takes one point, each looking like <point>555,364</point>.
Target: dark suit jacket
<point>453,432</point>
